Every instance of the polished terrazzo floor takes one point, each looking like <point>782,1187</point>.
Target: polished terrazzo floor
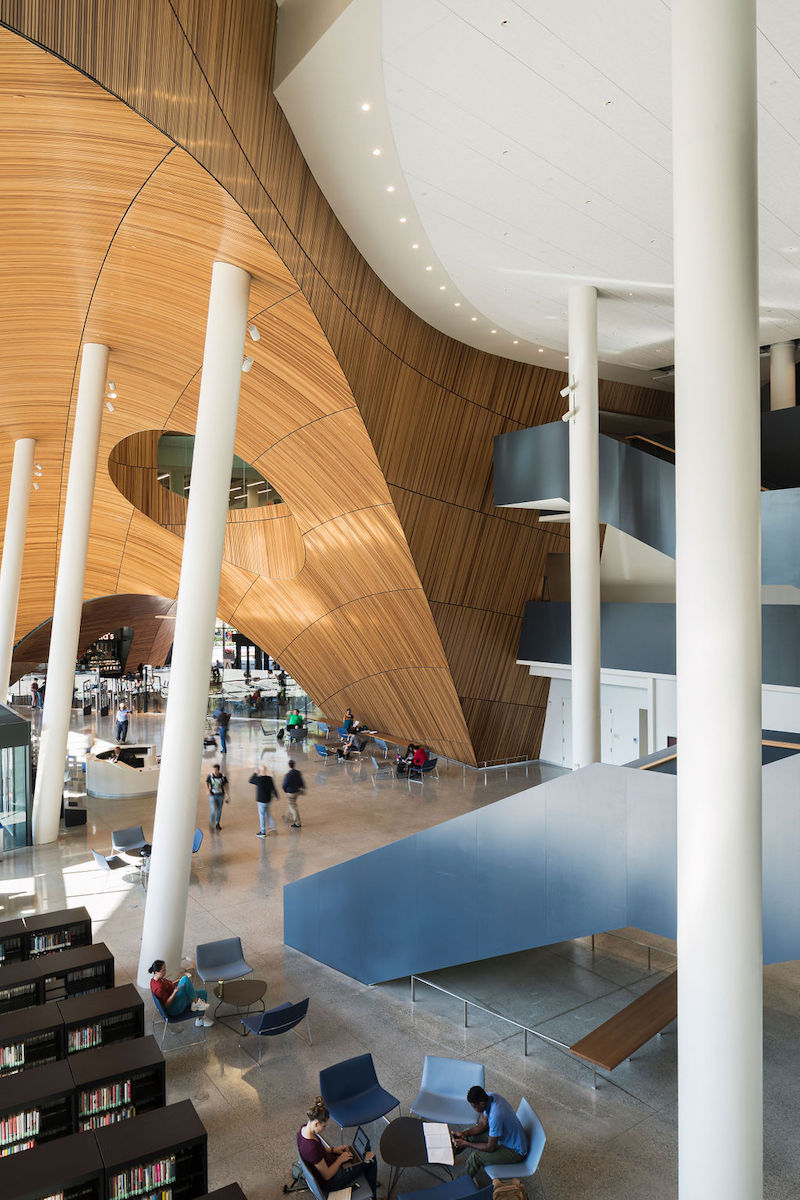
<point>619,1141</point>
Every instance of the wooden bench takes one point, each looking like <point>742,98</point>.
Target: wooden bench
<point>617,1039</point>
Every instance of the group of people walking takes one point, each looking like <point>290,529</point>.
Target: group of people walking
<point>293,786</point>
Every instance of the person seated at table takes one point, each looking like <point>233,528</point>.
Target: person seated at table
<point>175,998</point>
<point>349,720</point>
<point>351,744</point>
<point>496,1137</point>
<point>330,1163</point>
<point>415,756</point>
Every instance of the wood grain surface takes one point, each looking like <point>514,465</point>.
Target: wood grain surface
<point>377,430</point>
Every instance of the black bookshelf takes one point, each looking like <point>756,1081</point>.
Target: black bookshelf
<point>117,1083</point>
<point>102,1018</point>
<point>31,1037</point>
<point>35,1107</point>
<point>12,941</point>
<point>48,933</point>
<point>161,1153</point>
<point>56,976</point>
<point>68,1169</point>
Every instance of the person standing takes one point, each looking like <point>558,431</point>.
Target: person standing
<point>265,793</point>
<point>217,785</point>
<point>123,713</point>
<point>293,785</point>
<point>223,718</point>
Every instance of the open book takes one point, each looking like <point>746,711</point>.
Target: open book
<point>438,1142</point>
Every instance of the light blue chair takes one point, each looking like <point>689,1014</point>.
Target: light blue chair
<point>223,960</point>
<point>443,1090</point>
<point>381,744</point>
<point>536,1140</point>
<point>385,769</point>
<point>197,840</point>
<point>323,728</point>
<point>321,751</point>
<point>360,1189</point>
<point>352,1093</point>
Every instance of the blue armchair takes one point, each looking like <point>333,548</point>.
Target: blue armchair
<point>360,1189</point>
<point>276,1021</point>
<point>221,960</point>
<point>170,1021</point>
<point>443,1090</point>
<point>352,1092</point>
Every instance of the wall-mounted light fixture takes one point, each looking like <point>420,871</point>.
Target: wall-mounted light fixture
<point>254,334</point>
<point>247,364</point>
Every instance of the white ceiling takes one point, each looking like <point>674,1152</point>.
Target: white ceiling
<point>527,145</point>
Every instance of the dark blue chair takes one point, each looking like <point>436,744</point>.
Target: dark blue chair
<point>170,1021</point>
<point>360,1189</point>
<point>417,774</point>
<point>352,1093</point>
<point>223,960</point>
<point>462,1188</point>
<point>321,751</point>
<point>276,1021</point>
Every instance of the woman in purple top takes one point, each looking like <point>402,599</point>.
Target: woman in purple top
<point>330,1163</point>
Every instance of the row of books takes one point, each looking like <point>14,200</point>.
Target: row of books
<point>143,1179</point>
<point>107,1118</point>
<point>20,1125</point>
<point>102,1098</point>
<point>9,948</point>
<point>25,989</point>
<point>15,1147</point>
<point>84,1038</point>
<point>12,1057</point>
<point>46,943</point>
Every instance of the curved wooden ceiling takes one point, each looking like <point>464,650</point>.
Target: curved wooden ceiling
<point>376,430</point>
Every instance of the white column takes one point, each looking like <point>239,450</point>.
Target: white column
<point>66,625</point>
<point>718,599</point>
<point>13,549</point>
<point>781,376</point>
<point>584,526</point>
<point>196,613</point>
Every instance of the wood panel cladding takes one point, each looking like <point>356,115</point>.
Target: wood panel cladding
<point>381,448</point>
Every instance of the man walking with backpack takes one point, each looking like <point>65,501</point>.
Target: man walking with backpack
<point>292,785</point>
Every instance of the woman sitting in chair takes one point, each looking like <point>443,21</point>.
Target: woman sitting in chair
<point>175,998</point>
<point>330,1163</point>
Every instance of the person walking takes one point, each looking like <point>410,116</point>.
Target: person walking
<point>223,719</point>
<point>292,785</point>
<point>217,785</point>
<point>123,713</point>
<point>265,793</point>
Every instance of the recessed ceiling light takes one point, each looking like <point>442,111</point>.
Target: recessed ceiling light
<point>457,304</point>
<point>566,358</point>
<point>516,342</point>
<point>442,287</point>
<point>403,220</point>
<point>365,107</point>
<point>541,351</point>
<point>429,268</point>
<point>390,188</point>
<point>473,318</point>
<point>415,245</point>
<point>376,152</point>
<point>492,331</point>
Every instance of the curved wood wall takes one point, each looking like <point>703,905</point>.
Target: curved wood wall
<point>418,415</point>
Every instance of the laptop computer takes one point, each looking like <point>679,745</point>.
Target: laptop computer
<point>360,1147</point>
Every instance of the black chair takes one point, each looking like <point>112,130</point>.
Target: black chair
<point>276,1021</point>
<point>418,773</point>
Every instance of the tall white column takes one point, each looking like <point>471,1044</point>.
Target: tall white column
<point>718,599</point>
<point>584,525</point>
<point>66,626</point>
<point>196,613</point>
<point>13,549</point>
<point>781,376</point>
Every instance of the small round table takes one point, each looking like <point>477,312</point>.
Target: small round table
<point>403,1145</point>
<point>241,994</point>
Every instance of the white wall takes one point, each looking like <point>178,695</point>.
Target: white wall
<point>622,696</point>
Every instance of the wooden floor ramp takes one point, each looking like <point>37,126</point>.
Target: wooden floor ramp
<point>617,1039</point>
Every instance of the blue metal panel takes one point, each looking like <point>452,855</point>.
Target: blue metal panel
<point>652,851</point>
<point>511,872</point>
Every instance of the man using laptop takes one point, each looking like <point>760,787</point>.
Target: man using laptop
<point>496,1137</point>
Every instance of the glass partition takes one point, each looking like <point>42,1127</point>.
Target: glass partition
<point>248,488</point>
<point>15,780</point>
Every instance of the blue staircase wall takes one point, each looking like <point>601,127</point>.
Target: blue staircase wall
<point>587,852</point>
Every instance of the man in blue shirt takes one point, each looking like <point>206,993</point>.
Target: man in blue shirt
<point>496,1137</point>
